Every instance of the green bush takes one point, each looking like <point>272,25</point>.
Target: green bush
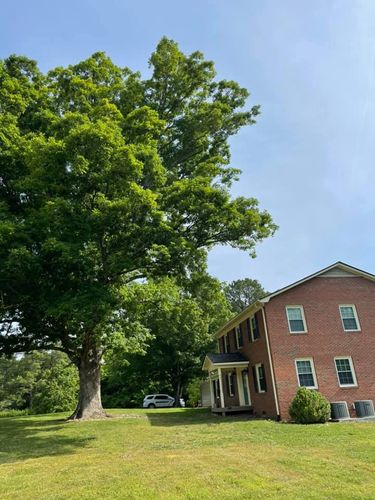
<point>309,407</point>
<point>14,413</point>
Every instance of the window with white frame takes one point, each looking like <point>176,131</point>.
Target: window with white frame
<point>254,328</point>
<point>230,384</point>
<point>306,373</point>
<point>345,372</point>
<point>296,319</point>
<point>239,339</point>
<point>349,318</point>
<point>260,376</point>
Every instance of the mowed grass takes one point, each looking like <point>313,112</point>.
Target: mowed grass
<point>183,454</point>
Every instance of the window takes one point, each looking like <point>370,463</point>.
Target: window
<point>306,373</point>
<point>239,339</point>
<point>349,318</point>
<point>259,378</point>
<point>254,328</point>
<point>230,384</point>
<point>296,319</point>
<point>345,372</point>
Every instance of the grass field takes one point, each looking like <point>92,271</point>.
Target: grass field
<point>183,454</point>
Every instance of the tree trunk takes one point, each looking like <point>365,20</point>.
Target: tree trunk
<point>177,395</point>
<point>89,404</point>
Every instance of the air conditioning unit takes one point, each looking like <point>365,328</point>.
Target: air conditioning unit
<point>339,410</point>
<point>364,408</point>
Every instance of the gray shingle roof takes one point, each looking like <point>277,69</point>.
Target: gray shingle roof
<point>229,357</point>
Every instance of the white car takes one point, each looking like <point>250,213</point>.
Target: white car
<point>158,401</point>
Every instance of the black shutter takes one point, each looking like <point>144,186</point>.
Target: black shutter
<point>255,379</point>
<point>264,379</point>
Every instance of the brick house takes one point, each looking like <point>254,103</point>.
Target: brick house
<point>318,332</point>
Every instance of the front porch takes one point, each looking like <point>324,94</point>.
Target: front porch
<point>228,382</point>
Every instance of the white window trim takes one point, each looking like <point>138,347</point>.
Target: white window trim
<point>358,329</point>
<point>303,318</point>
<point>230,383</point>
<point>355,384</point>
<point>236,330</point>
<point>251,329</point>
<point>315,386</point>
<point>257,366</point>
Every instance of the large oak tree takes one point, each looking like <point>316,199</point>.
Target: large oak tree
<point>107,178</point>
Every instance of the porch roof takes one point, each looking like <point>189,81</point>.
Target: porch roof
<point>224,360</point>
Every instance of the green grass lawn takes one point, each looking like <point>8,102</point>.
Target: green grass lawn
<point>183,454</point>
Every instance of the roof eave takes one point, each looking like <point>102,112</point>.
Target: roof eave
<point>235,364</point>
<point>338,264</point>
<point>251,309</point>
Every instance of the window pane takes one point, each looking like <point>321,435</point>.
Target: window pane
<point>350,324</point>
<point>306,380</point>
<point>304,366</point>
<point>262,379</point>
<point>346,378</point>
<point>347,312</point>
<point>239,336</point>
<point>294,313</point>
<point>296,325</point>
<point>254,327</point>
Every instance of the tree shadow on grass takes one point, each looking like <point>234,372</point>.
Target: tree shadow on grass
<point>192,416</point>
<point>30,437</point>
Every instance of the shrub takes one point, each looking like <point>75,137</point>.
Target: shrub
<point>309,407</point>
<point>14,413</point>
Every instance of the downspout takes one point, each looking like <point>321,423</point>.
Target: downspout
<point>271,365</point>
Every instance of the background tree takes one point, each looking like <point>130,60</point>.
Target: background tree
<point>181,319</point>
<point>42,382</point>
<point>105,179</point>
<point>242,293</point>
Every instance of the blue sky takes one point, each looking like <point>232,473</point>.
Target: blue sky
<point>310,64</point>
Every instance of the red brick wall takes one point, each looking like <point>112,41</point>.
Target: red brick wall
<point>256,352</point>
<point>326,339</point>
<point>263,403</point>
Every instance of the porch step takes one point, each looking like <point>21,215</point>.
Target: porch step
<point>232,409</point>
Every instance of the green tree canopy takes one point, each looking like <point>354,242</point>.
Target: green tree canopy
<point>107,178</point>
<point>181,319</point>
<point>242,293</point>
<point>43,382</point>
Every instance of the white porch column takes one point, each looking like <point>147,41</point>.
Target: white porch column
<point>211,391</point>
<point>221,388</point>
<point>240,386</point>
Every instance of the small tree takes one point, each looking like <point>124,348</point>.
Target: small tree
<point>309,407</point>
